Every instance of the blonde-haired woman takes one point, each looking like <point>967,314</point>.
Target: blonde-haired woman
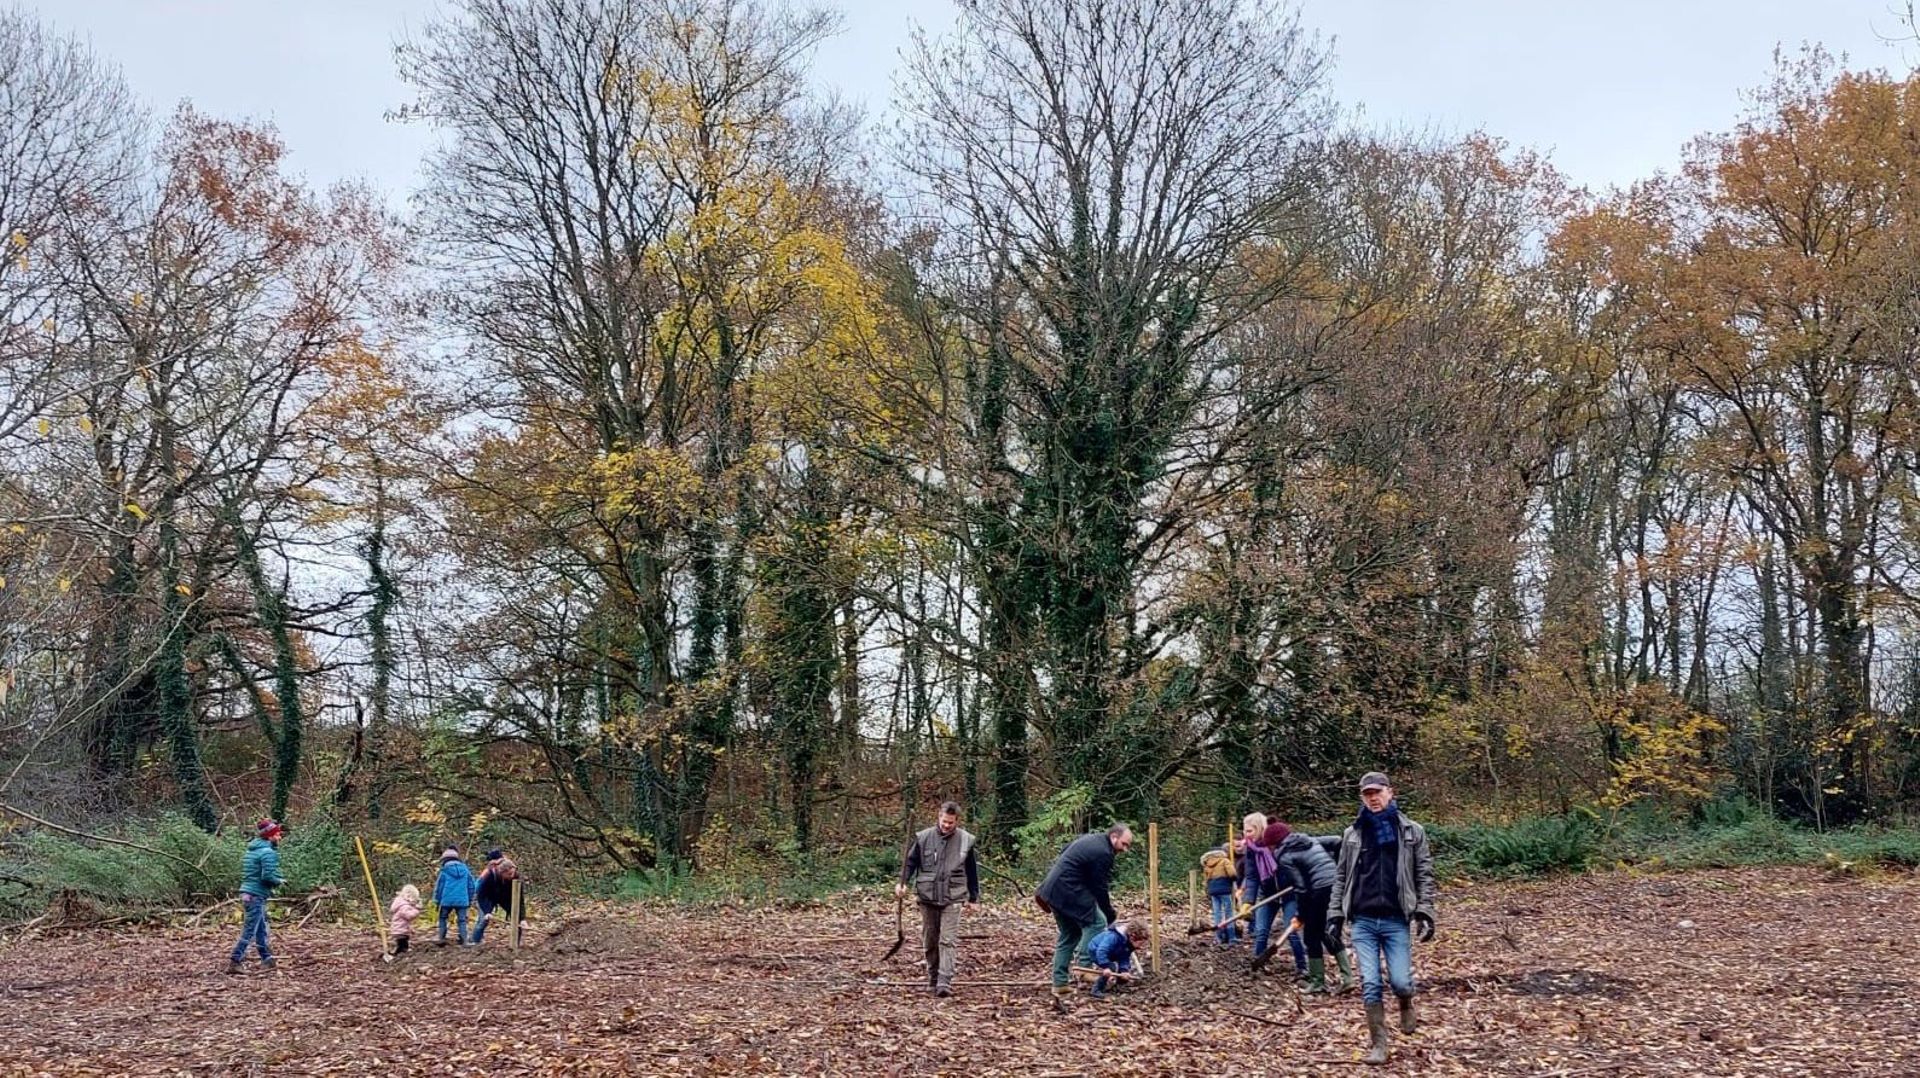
<point>1261,880</point>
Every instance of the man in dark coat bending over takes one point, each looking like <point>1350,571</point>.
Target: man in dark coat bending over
<point>942,869</point>
<point>1075,892</point>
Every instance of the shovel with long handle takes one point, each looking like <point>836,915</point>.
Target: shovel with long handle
<point>1201,930</point>
<point>1260,961</point>
<point>899,926</point>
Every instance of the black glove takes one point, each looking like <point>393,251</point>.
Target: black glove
<point>1336,928</point>
<point>1422,927</point>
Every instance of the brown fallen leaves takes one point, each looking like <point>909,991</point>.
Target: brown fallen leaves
<point>1774,972</point>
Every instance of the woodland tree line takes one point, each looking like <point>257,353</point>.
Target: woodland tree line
<point>1115,418</point>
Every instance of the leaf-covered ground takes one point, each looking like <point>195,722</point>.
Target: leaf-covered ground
<point>1778,972</point>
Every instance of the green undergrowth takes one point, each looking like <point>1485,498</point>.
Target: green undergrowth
<point>180,866</point>
<point>183,867</point>
<point>1725,834</point>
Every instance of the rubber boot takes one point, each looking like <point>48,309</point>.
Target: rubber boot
<point>1346,972</point>
<point>1316,976</point>
<point>1407,1024</point>
<point>1376,1034</point>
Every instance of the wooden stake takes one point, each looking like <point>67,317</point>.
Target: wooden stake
<point>1193,896</point>
<point>1153,892</point>
<point>373,893</point>
<point>514,915</point>
<point>1231,835</point>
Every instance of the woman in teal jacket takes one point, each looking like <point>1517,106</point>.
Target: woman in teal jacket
<point>453,892</point>
<point>258,878</point>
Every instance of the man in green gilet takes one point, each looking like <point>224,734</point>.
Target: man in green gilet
<point>942,871</point>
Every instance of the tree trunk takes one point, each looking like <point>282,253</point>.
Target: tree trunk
<point>270,606</point>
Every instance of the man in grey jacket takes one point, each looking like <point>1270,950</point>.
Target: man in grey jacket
<point>1384,889</point>
<point>942,869</point>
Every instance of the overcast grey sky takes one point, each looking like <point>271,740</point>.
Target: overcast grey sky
<point>1611,89</point>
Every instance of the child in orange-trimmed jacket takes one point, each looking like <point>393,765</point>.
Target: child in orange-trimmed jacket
<point>1217,865</point>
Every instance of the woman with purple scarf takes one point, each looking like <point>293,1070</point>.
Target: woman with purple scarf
<point>1264,879</point>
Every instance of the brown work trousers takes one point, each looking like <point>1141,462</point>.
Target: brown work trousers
<point>940,932</point>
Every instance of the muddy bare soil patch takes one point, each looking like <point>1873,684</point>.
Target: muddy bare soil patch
<point>1725,973</point>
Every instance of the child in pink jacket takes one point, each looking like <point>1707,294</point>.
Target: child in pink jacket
<point>405,908</point>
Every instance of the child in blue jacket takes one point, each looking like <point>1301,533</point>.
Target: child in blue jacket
<point>1112,950</point>
<point>453,892</point>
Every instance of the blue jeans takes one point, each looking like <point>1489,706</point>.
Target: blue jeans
<point>1378,937</point>
<point>487,908</point>
<point>1262,927</point>
<point>1073,939</point>
<point>1223,909</point>
<point>462,911</point>
<point>253,929</point>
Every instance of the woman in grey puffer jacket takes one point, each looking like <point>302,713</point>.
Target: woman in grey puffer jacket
<point>1312,872</point>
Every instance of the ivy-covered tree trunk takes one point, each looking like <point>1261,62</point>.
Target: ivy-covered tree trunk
<point>270,607</point>
<point>1842,789</point>
<point>711,687</point>
<point>1771,743</point>
<point>1005,690</point>
<point>848,741</point>
<point>386,595</point>
<point>801,651</point>
<point>177,718</point>
<point>116,732</point>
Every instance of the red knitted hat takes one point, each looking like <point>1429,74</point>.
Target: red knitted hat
<point>1275,834</point>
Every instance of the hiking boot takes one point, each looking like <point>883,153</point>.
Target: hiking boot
<point>1063,999</point>
<point>943,990</point>
<point>1376,1034</point>
<point>1407,1024</point>
<point>235,969</point>
<point>1346,973</point>
<point>268,965</point>
<point>1316,977</point>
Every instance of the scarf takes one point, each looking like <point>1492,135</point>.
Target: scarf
<point>1380,828</point>
<point>1264,866</point>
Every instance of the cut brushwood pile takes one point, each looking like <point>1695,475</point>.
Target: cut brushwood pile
<point>1751,972</point>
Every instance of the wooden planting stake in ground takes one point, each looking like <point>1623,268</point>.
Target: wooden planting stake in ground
<point>1153,892</point>
<point>1193,897</point>
<point>514,915</point>
<point>373,893</point>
